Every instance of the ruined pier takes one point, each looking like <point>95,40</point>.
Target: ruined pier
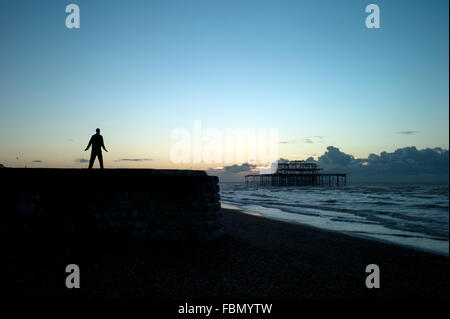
<point>296,173</point>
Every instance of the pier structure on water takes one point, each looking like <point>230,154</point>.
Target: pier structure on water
<point>296,173</point>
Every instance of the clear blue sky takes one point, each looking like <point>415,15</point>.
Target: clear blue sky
<point>138,69</point>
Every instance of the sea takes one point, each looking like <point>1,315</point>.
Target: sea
<point>413,215</point>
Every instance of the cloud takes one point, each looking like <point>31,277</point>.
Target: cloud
<point>430,164</point>
<point>334,157</point>
<point>408,132</point>
<point>233,172</point>
<point>81,160</point>
<point>404,164</point>
<point>307,140</point>
<point>410,159</point>
<point>134,160</point>
<point>238,169</point>
<point>70,140</point>
<point>38,161</point>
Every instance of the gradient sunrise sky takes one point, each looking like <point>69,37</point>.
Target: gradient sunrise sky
<point>139,69</point>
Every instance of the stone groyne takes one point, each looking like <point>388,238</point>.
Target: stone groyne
<point>168,204</point>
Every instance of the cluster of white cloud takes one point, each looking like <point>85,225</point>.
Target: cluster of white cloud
<point>407,162</point>
<point>403,160</point>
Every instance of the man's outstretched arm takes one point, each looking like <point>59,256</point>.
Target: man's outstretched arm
<point>103,145</point>
<point>89,145</point>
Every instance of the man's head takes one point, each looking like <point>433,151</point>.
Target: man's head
<point>98,131</point>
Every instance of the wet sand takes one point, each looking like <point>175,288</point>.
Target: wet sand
<point>256,258</point>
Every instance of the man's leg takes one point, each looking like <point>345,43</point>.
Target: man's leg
<point>100,159</point>
<point>91,161</point>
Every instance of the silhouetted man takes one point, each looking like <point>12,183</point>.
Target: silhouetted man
<point>97,144</point>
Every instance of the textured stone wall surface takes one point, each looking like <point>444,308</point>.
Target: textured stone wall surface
<point>172,204</point>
